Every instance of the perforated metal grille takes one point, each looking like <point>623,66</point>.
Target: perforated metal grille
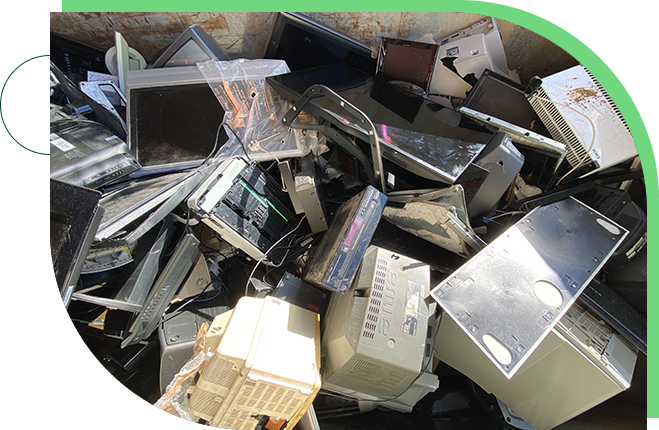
<point>374,375</point>
<point>375,300</point>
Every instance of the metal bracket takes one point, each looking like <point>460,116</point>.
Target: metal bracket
<point>345,144</point>
<point>315,91</point>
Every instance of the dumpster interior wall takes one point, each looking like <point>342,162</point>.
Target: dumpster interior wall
<point>244,35</point>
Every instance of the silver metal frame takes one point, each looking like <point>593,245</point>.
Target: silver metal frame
<point>321,90</point>
<point>519,135</point>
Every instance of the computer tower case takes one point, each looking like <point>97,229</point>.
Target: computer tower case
<point>509,296</point>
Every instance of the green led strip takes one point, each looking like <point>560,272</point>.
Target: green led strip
<point>257,197</point>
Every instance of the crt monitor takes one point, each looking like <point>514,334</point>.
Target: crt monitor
<point>374,337</point>
<point>192,46</point>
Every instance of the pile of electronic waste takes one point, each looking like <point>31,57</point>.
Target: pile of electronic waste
<point>240,244</point>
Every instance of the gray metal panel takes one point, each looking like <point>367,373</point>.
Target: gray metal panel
<point>498,297</point>
<point>289,185</point>
<point>308,191</point>
<point>163,291</point>
<point>435,157</point>
<point>503,161</point>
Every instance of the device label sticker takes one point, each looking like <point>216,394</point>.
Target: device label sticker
<point>60,143</point>
<point>411,313</point>
<point>453,52</point>
<point>353,232</point>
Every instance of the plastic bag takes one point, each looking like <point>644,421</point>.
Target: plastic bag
<point>253,109</point>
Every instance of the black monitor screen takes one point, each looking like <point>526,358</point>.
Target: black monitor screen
<point>303,50</point>
<point>305,44</point>
<point>174,123</point>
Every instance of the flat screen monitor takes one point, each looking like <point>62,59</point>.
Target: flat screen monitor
<point>317,54</point>
<point>173,118</point>
<point>407,61</point>
<point>192,46</point>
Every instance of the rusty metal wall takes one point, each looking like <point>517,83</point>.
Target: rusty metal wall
<point>245,34</point>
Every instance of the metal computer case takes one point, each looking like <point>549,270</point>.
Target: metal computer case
<point>509,296</point>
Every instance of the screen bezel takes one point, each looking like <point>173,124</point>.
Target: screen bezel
<point>197,35</point>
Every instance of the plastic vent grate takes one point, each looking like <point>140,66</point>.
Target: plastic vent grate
<point>205,402</point>
<point>374,375</point>
<point>220,372</point>
<point>558,128</point>
<point>587,329</point>
<point>375,300</point>
<point>260,397</point>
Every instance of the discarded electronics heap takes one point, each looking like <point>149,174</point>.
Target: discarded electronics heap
<point>285,259</point>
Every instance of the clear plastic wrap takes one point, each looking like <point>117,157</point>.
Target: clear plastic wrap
<point>253,110</point>
<point>174,400</point>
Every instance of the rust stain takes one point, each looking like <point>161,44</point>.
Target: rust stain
<point>232,45</point>
<point>217,21</point>
<point>581,94</point>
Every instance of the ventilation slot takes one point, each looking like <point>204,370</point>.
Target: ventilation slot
<point>608,98</point>
<point>205,402</point>
<point>220,372</point>
<point>589,330</point>
<point>558,128</point>
<point>259,397</point>
<point>374,375</point>
<point>375,300</point>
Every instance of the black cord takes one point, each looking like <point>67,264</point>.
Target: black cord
<point>242,144</point>
<point>180,309</point>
